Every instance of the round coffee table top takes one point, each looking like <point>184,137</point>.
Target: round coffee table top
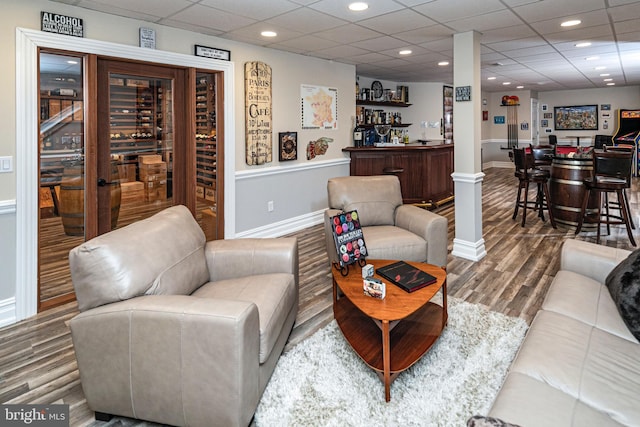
<point>397,303</point>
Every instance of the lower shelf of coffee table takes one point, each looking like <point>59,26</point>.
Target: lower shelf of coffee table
<point>410,338</point>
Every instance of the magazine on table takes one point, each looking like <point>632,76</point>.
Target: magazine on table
<point>406,276</point>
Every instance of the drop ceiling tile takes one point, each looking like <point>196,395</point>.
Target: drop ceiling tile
<point>624,13</point>
<point>306,21</point>
<point>550,9</point>
<point>380,43</point>
<point>426,34</point>
<point>484,22</point>
<point>343,51</point>
<point>449,10</point>
<point>506,33</point>
<point>159,8</point>
<point>589,19</point>
<point>349,33</point>
<point>308,43</point>
<point>524,43</point>
<point>254,10</point>
<point>339,9</point>
<point>252,32</point>
<point>204,16</point>
<point>121,11</point>
<point>388,24</point>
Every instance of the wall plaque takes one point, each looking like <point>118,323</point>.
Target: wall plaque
<point>257,105</point>
<point>61,24</point>
<point>463,93</point>
<point>212,52</point>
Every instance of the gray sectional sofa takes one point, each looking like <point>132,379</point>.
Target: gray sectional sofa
<point>579,364</point>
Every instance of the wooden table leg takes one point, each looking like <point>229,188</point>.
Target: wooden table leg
<point>386,362</point>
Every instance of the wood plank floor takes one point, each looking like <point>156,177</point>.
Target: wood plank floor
<point>37,362</point>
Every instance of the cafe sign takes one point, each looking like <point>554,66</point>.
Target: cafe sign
<point>61,24</point>
<point>258,109</point>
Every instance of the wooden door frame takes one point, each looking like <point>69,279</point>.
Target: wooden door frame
<point>27,43</point>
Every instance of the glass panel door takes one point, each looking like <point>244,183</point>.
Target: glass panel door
<point>207,155</point>
<point>137,180</point>
<point>61,193</point>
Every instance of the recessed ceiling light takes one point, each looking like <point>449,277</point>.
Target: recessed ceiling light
<point>605,75</point>
<point>592,58</point>
<point>268,34</point>
<point>519,87</point>
<point>583,44</point>
<point>600,68</point>
<point>491,78</point>
<point>611,84</point>
<point>443,63</point>
<point>358,6</point>
<point>405,52</point>
<point>506,83</point>
<point>571,23</point>
<point>608,80</point>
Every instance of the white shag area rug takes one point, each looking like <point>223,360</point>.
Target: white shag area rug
<point>323,382</point>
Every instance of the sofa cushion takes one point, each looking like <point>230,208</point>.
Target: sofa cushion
<point>275,295</point>
<point>586,363</point>
<point>586,300</point>
<point>530,402</point>
<point>624,285</point>
<point>162,254</point>
<point>390,242</point>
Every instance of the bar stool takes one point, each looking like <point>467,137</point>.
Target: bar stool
<point>616,204</point>
<point>526,174</point>
<point>611,170</point>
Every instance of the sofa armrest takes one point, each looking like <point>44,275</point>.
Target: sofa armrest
<point>328,235</point>
<point>589,259</point>
<point>230,259</point>
<point>163,357</point>
<point>428,225</point>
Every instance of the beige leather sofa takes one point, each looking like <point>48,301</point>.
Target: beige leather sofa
<point>391,229</point>
<point>177,330</point>
<point>579,365</point>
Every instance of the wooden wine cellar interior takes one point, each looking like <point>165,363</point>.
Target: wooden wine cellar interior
<point>139,149</point>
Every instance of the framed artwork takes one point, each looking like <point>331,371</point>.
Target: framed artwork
<point>548,115</point>
<point>576,117</point>
<point>544,123</point>
<point>288,145</point>
<point>545,107</point>
<point>319,107</point>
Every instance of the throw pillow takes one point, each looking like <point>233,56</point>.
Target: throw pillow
<point>480,421</point>
<point>624,286</point>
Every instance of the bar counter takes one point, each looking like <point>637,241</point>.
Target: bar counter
<point>424,170</point>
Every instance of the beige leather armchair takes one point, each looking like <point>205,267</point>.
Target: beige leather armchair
<point>391,229</point>
<point>177,330</point>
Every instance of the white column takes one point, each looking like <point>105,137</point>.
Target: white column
<point>467,177</point>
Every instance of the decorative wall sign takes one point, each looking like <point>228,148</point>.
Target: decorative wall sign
<point>485,115</point>
<point>605,106</point>
<point>544,123</point>
<point>147,38</point>
<point>288,145</point>
<point>498,120</point>
<point>257,104</point>
<point>319,107</point>
<point>318,148</point>
<point>463,93</point>
<point>212,52</point>
<point>577,117</point>
<point>61,24</point>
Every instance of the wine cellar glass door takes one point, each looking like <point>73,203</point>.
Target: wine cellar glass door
<point>135,142</point>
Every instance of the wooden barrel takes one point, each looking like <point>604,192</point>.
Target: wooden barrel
<point>72,198</point>
<point>566,191</point>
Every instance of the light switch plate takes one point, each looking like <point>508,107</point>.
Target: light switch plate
<point>6,164</point>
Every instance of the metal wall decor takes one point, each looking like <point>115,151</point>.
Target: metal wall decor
<point>258,110</point>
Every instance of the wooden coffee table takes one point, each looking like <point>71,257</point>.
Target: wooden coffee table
<point>391,334</point>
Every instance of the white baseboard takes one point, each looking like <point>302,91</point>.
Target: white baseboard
<point>285,227</point>
<point>8,312</point>
<point>473,251</point>
<point>497,164</point>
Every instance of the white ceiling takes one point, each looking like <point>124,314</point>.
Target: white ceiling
<point>522,40</point>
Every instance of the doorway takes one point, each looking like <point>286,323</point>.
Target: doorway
<point>117,145</point>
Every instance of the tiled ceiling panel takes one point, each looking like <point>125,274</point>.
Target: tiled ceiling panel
<point>523,35</point>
